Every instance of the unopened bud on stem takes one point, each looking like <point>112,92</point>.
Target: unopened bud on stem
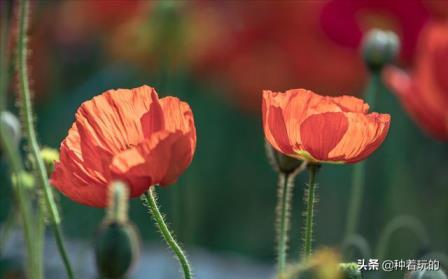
<point>117,241</point>
<point>379,48</point>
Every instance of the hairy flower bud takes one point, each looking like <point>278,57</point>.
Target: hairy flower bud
<point>49,156</point>
<point>379,48</point>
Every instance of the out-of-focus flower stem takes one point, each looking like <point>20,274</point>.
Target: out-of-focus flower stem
<point>15,161</point>
<point>28,122</point>
<point>358,178</point>
<point>310,200</point>
<point>7,227</point>
<point>23,201</point>
<point>151,201</point>
<point>4,24</point>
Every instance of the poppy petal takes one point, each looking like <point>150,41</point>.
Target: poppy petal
<point>364,135</point>
<point>274,125</point>
<point>320,133</point>
<point>144,160</point>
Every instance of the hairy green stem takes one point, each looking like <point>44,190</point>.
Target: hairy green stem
<point>359,170</point>
<point>27,114</point>
<point>284,196</point>
<point>151,201</point>
<point>310,200</point>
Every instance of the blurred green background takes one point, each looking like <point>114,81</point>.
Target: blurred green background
<point>218,57</point>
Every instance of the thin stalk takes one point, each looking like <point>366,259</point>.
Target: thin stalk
<point>23,201</point>
<point>358,179</point>
<point>151,201</point>
<point>13,157</point>
<point>7,226</point>
<point>40,230</point>
<point>310,200</point>
<point>4,55</point>
<point>27,114</point>
<point>284,196</point>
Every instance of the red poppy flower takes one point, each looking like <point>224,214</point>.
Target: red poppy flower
<point>424,92</point>
<point>304,125</point>
<point>127,135</point>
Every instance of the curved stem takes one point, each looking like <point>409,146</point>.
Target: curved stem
<point>284,195</point>
<point>401,222</point>
<point>358,242</point>
<point>309,214</point>
<point>27,114</point>
<point>151,201</point>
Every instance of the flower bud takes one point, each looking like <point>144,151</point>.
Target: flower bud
<point>350,271</point>
<point>117,240</point>
<point>24,179</point>
<point>49,156</point>
<point>281,162</point>
<point>426,274</point>
<point>379,48</point>
<point>11,125</point>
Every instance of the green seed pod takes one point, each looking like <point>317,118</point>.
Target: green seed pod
<point>350,271</point>
<point>281,162</point>
<point>379,48</point>
<point>117,243</point>
<point>116,249</point>
<point>426,274</point>
<point>11,125</point>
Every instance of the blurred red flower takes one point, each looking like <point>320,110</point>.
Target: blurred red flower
<point>127,135</point>
<point>64,33</point>
<point>250,46</point>
<point>424,92</point>
<point>307,126</point>
<point>346,21</point>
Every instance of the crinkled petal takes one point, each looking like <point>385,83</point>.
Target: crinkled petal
<point>158,160</point>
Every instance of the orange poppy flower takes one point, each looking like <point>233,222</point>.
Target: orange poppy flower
<point>307,126</point>
<point>424,92</point>
<point>129,135</point>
